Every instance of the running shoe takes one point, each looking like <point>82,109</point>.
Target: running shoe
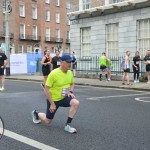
<point>70,129</point>
<point>2,89</point>
<point>35,117</point>
<point>42,85</point>
<point>135,81</point>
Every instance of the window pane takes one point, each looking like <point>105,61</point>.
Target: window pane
<point>22,10</point>
<point>86,41</point>
<point>112,39</point>
<point>143,35</point>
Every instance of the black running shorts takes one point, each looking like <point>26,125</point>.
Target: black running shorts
<point>1,71</point>
<point>62,103</point>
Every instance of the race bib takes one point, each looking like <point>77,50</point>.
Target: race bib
<point>137,62</point>
<point>58,63</point>
<point>65,91</point>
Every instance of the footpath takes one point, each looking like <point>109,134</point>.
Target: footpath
<point>142,86</point>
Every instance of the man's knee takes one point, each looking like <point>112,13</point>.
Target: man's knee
<point>75,102</point>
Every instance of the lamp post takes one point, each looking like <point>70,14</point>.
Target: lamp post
<point>7,38</point>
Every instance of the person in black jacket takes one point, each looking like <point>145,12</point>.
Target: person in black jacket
<point>136,66</point>
<point>3,63</point>
<point>147,62</point>
<point>56,60</point>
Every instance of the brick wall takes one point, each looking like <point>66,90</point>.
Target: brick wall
<point>41,24</point>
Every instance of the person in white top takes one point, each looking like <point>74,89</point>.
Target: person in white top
<point>126,69</point>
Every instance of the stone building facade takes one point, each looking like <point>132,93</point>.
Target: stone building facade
<point>114,26</point>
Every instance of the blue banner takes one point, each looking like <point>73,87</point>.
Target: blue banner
<point>33,63</point>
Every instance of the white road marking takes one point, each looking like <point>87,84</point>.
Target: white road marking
<point>141,99</point>
<point>103,97</point>
<point>110,88</point>
<point>28,141</point>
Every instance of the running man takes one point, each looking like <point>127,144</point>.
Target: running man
<point>56,60</point>
<point>3,63</point>
<point>147,62</point>
<point>59,90</point>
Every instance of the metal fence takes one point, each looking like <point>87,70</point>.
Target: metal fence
<point>91,65</point>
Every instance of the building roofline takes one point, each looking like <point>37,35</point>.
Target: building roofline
<point>109,9</point>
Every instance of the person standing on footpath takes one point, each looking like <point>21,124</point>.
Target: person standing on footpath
<point>74,63</point>
<point>56,60</point>
<point>45,66</point>
<point>59,90</point>
<point>136,67</point>
<point>103,66</point>
<point>147,62</point>
<point>3,63</point>
<point>126,68</point>
<point>109,69</point>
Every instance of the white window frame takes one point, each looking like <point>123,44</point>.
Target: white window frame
<point>4,6</point>
<point>22,10</point>
<point>47,34</point>
<point>34,12</point>
<point>22,31</point>
<point>112,39</point>
<point>86,41</point>
<point>68,35</point>
<point>57,2</point>
<point>47,1</point>
<point>57,17</point>
<point>47,15</point>
<point>29,49</point>
<point>114,1</point>
<point>68,21</point>
<point>143,35</point>
<point>86,4</point>
<point>34,32</point>
<point>20,49</point>
<point>57,35</point>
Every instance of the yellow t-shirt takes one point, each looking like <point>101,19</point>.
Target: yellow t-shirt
<point>59,83</point>
<point>103,61</point>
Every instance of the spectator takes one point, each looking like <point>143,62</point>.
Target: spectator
<point>126,68</point>
<point>136,67</point>
<point>103,66</point>
<point>147,62</point>
<point>109,68</point>
<point>74,63</point>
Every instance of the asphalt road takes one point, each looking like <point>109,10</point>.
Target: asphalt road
<point>107,119</point>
